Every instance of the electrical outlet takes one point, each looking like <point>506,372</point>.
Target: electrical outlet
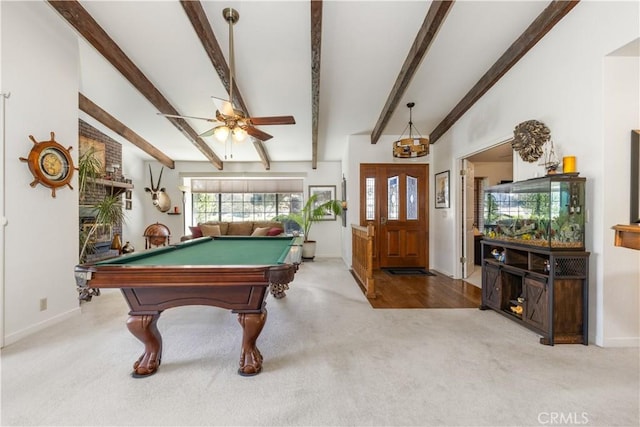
<point>43,304</point>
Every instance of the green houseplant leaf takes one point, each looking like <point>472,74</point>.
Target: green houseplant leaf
<point>311,213</point>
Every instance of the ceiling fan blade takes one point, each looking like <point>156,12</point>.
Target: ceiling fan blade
<point>273,120</point>
<point>257,133</point>
<point>224,106</point>
<point>187,117</point>
<point>209,132</point>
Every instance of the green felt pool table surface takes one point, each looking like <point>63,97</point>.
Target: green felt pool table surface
<point>228,250</point>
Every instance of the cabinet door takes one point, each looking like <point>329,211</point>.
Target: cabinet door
<point>491,286</point>
<point>536,304</point>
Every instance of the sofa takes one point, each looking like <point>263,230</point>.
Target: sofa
<point>242,228</point>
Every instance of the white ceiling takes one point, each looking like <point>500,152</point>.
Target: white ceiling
<point>364,44</point>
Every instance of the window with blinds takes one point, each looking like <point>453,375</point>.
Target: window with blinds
<point>244,199</point>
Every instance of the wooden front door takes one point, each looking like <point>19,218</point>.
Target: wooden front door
<point>395,199</point>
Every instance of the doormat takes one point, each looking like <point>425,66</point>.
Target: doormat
<point>408,271</point>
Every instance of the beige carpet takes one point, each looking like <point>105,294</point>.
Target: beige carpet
<point>330,359</point>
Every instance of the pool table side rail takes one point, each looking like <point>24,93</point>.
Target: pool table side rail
<point>121,276</point>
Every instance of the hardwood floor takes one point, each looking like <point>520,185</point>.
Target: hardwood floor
<point>423,292</point>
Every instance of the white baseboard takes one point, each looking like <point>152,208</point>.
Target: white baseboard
<point>622,342</point>
<point>17,336</point>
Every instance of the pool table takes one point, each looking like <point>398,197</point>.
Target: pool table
<point>233,273</point>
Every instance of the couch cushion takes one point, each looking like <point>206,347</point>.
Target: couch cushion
<point>240,229</point>
<point>269,224</point>
<point>210,229</point>
<point>224,226</point>
<point>195,232</point>
<point>275,231</point>
<point>260,231</point>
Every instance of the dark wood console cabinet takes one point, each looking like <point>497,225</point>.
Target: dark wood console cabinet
<point>544,290</point>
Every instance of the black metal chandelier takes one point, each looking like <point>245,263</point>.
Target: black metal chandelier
<point>410,147</point>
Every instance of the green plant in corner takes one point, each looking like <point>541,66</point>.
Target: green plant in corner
<point>311,213</point>
<point>89,169</point>
<point>106,211</point>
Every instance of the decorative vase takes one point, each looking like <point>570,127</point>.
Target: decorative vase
<point>116,244</point>
<point>128,248</point>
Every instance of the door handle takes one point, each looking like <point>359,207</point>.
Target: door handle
<point>383,220</point>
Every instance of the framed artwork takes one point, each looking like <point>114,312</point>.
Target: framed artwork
<point>324,193</point>
<point>127,194</point>
<point>442,190</point>
<point>99,151</point>
<point>635,176</point>
<point>127,205</point>
<point>344,201</point>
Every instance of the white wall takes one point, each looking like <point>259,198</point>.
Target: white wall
<point>560,82</point>
<point>40,69</point>
<point>495,172</point>
<point>619,294</point>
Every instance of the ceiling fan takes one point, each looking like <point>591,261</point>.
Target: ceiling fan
<point>233,121</point>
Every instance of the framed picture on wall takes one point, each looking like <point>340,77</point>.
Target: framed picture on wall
<point>442,190</point>
<point>324,193</point>
<point>127,205</point>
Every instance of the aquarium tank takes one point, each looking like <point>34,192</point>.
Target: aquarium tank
<point>547,212</point>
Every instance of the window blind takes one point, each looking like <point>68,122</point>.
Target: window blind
<point>215,186</point>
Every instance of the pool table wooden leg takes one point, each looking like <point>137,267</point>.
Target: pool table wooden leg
<point>250,357</point>
<point>145,329</point>
<point>278,290</point>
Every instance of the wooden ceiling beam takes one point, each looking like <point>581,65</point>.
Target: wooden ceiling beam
<point>536,31</point>
<point>316,45</point>
<point>196,14</point>
<point>434,19</point>
<point>121,129</point>
<point>88,28</point>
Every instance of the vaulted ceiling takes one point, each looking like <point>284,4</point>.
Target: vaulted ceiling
<point>340,68</point>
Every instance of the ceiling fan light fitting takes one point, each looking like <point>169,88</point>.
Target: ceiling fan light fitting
<point>221,133</point>
<point>238,134</point>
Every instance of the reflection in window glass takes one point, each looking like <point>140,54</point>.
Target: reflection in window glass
<point>370,202</point>
<point>412,198</point>
<point>392,197</point>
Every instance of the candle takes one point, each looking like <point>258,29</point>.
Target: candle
<point>568,164</point>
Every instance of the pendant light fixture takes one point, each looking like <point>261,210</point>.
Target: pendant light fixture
<point>412,146</point>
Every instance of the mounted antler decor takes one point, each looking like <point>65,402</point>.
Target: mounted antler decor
<point>159,196</point>
<point>528,139</point>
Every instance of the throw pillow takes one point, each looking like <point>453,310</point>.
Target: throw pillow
<point>195,232</point>
<point>260,231</point>
<point>274,231</point>
<point>210,230</point>
<point>240,228</point>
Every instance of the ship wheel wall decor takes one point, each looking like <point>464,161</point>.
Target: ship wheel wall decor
<point>50,163</point>
<point>529,138</point>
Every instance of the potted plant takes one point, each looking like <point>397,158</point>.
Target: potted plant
<point>106,211</point>
<point>311,213</point>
